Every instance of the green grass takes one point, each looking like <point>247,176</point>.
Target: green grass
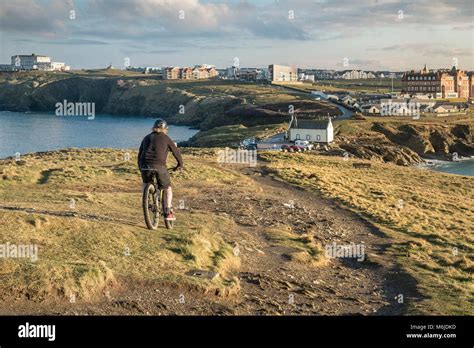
<point>432,228</point>
<point>105,241</point>
<point>231,136</point>
<point>362,86</point>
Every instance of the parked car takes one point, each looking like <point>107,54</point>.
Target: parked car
<point>252,146</point>
<point>292,148</point>
<point>304,144</point>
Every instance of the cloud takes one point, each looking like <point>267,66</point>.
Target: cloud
<point>148,19</point>
<point>426,49</point>
<point>44,18</point>
<point>249,27</point>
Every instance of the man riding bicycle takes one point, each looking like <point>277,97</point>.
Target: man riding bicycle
<point>152,157</point>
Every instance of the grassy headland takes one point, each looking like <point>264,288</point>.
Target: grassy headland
<point>429,215</point>
<point>82,208</point>
<point>99,243</point>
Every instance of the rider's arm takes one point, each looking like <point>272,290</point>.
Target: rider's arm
<point>176,153</point>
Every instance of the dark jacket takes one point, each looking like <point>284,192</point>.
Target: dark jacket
<point>154,151</point>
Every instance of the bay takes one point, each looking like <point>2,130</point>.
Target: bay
<point>33,132</point>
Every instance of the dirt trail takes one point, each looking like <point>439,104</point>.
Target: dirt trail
<point>270,283</point>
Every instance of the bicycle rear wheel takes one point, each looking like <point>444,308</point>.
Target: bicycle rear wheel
<point>151,204</point>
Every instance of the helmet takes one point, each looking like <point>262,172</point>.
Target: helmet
<point>160,123</point>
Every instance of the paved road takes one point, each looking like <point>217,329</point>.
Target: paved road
<point>346,113</point>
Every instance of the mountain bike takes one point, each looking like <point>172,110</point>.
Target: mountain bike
<point>154,205</point>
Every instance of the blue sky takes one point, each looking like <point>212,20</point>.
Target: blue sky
<point>371,34</point>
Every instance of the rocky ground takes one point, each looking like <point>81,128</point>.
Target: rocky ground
<point>271,282</point>
<point>405,142</point>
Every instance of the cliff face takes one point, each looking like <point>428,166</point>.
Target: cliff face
<point>384,152</point>
<point>210,104</point>
<point>192,104</point>
<point>406,143</point>
<point>431,140</point>
<point>40,95</point>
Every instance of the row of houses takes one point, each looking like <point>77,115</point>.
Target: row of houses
<point>407,108</point>
<point>199,72</point>
<point>402,106</point>
<point>325,74</point>
<point>356,75</point>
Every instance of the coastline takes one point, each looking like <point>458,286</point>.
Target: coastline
<point>436,164</point>
<point>105,131</point>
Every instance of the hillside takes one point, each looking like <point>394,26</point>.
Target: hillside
<point>201,104</point>
<point>405,141</point>
<point>246,241</point>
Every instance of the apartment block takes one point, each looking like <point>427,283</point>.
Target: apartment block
<point>282,73</point>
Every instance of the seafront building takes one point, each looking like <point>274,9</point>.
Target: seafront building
<point>33,61</point>
<point>443,83</point>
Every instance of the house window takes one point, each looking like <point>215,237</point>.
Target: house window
<point>318,137</point>
<point>308,137</point>
<point>297,137</point>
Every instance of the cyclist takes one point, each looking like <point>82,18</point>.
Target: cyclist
<point>152,157</point>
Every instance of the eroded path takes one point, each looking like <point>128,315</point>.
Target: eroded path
<point>271,282</point>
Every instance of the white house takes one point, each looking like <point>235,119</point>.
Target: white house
<point>445,108</point>
<point>319,131</point>
<point>348,99</point>
<point>371,109</point>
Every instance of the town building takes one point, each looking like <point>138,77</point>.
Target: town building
<point>306,77</point>
<point>232,73</point>
<point>282,73</point>
<point>36,62</point>
<point>370,109</point>
<point>443,83</point>
<point>320,131</point>
<point>325,74</point>
<point>199,72</point>
<point>356,75</point>
<point>6,67</point>
<point>349,100</point>
<point>171,73</point>
<point>144,69</point>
